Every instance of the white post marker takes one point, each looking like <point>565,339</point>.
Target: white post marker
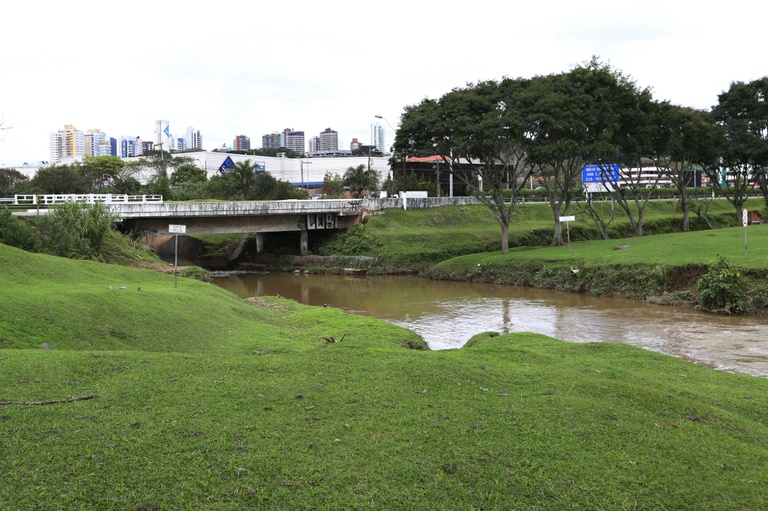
<point>567,219</point>
<point>176,230</point>
<point>745,222</point>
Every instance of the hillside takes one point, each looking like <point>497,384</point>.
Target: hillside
<point>189,398</point>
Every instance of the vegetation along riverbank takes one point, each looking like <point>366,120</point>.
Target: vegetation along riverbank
<point>122,390</point>
<point>664,266</point>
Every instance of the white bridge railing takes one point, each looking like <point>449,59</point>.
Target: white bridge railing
<point>90,198</point>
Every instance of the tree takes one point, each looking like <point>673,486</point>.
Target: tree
<point>742,111</point>
<point>589,115</point>
<point>684,141</point>
<point>10,179</point>
<point>244,173</point>
<point>478,132</point>
<point>59,179</point>
<point>361,179</point>
<point>108,174</point>
<point>333,185</point>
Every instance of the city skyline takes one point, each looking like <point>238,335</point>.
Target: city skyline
<point>324,70</point>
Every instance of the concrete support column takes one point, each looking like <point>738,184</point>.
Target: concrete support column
<point>304,243</point>
<point>259,242</point>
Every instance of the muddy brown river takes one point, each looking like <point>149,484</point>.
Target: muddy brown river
<point>447,314</point>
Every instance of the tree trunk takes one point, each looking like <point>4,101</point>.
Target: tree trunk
<point>504,238</point>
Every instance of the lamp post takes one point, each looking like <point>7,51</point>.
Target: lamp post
<point>404,187</point>
<point>302,162</point>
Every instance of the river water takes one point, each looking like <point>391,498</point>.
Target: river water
<point>447,314</point>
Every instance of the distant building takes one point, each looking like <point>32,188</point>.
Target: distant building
<point>377,137</point>
<point>179,144</point>
<point>163,136</point>
<point>147,146</point>
<point>130,146</point>
<point>354,145</point>
<point>273,140</point>
<point>314,145</point>
<point>67,144</point>
<point>329,140</point>
<point>294,140</point>
<point>193,139</point>
<point>98,144</point>
<point>241,143</point>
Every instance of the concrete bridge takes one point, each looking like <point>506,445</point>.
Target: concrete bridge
<point>249,217</point>
<point>152,217</point>
<point>261,217</point>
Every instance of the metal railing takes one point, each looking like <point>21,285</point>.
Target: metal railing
<point>90,198</point>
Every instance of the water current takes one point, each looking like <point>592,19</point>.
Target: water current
<point>448,314</point>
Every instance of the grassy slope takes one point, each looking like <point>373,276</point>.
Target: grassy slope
<point>258,414</point>
<point>418,238</point>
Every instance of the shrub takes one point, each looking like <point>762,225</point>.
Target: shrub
<point>721,290</point>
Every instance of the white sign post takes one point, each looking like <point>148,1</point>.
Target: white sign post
<point>176,230</point>
<point>745,221</point>
<point>567,219</point>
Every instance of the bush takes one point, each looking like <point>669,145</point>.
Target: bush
<point>73,230</point>
<point>16,233</point>
<point>721,290</point>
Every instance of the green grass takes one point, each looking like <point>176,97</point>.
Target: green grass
<point>215,403</point>
<point>414,240</point>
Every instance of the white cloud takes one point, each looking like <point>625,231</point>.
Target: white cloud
<point>230,68</point>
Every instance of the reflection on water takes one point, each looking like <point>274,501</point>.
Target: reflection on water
<point>447,314</point>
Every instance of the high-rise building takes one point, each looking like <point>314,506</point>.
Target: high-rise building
<point>329,140</point>
<point>179,144</point>
<point>354,145</point>
<point>130,146</point>
<point>94,139</point>
<point>377,137</point>
<point>294,140</point>
<point>67,143</point>
<point>314,144</point>
<point>273,140</point>
<point>194,139</point>
<point>163,136</point>
<point>241,143</point>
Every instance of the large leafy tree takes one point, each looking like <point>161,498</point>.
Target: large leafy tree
<point>478,131</point>
<point>10,179</point>
<point>742,111</point>
<point>592,114</point>
<point>108,174</point>
<point>59,179</point>
<point>683,141</point>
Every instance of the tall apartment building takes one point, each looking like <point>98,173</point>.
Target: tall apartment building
<point>194,139</point>
<point>314,144</point>
<point>163,136</point>
<point>294,140</point>
<point>377,137</point>
<point>179,144</point>
<point>273,140</point>
<point>130,146</point>
<point>241,143</point>
<point>67,143</point>
<point>354,145</point>
<point>329,140</point>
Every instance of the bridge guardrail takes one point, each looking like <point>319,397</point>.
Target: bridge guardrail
<point>90,198</point>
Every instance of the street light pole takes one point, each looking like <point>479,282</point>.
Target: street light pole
<point>405,206</point>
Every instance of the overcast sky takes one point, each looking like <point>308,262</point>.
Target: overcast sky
<point>251,68</point>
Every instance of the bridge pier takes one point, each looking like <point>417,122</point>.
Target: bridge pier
<point>304,243</point>
<point>259,242</point>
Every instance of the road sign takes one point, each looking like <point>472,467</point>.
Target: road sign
<point>567,218</point>
<point>744,217</point>
<point>177,229</point>
<point>600,178</point>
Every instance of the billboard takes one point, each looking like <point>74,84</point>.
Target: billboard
<point>600,178</point>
